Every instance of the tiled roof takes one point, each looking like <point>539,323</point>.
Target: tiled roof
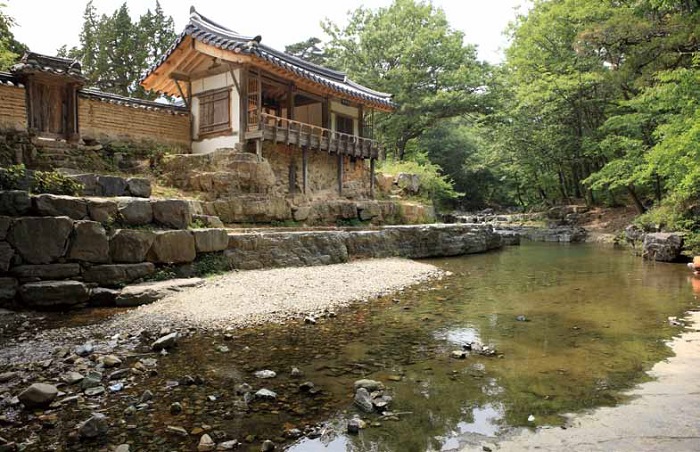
<point>8,79</point>
<point>205,30</point>
<point>33,62</point>
<point>131,102</point>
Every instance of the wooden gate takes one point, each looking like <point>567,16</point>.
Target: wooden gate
<point>52,108</point>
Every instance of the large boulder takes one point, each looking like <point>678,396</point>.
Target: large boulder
<point>40,240</point>
<point>6,256</point>
<point>111,186</point>
<point>209,221</point>
<point>210,240</point>
<point>662,246</point>
<point>135,211</point>
<point>14,202</point>
<point>139,187</point>
<point>101,297</point>
<point>173,247</point>
<point>89,242</point>
<point>409,183</point>
<point>50,271</point>
<point>114,275</point>
<point>173,213</point>
<point>54,294</point>
<point>130,246</point>
<point>89,183</point>
<point>148,292</point>
<point>368,210</point>
<point>61,206</point>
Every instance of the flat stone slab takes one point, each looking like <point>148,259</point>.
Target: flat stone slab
<point>49,271</point>
<point>210,240</point>
<point>58,206</point>
<point>173,247</point>
<point>40,240</point>
<point>112,275</point>
<point>145,293</point>
<point>54,294</point>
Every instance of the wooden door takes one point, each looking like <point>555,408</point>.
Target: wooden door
<point>49,108</point>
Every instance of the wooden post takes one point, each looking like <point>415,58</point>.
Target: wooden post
<point>360,122</point>
<point>326,114</point>
<point>290,101</point>
<point>340,174</point>
<point>304,167</point>
<point>243,105</point>
<point>371,178</point>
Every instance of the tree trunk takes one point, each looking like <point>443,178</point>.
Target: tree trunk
<point>637,202</point>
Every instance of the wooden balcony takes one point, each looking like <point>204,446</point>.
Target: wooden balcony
<point>295,133</point>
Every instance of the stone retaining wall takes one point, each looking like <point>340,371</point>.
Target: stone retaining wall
<point>248,251</point>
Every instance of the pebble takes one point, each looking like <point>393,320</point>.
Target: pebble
<point>264,374</point>
<point>95,426</point>
<point>363,400</point>
<point>38,395</point>
<point>111,361</point>
<point>95,391</point>
<point>370,385</point>
<point>266,394</point>
<point>206,444</point>
<point>175,408</point>
<point>228,445</point>
<point>296,373</point>
<point>165,342</point>
<point>267,446</point>
<point>176,430</point>
<point>72,377</point>
<point>146,396</point>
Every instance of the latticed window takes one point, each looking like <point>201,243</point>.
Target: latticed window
<point>214,111</point>
<point>344,124</point>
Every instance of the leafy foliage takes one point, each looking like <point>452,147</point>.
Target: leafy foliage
<point>10,48</point>
<point>434,185</point>
<point>310,50</point>
<point>115,50</point>
<point>17,177</point>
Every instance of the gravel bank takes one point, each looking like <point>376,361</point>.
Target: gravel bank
<point>234,300</point>
<point>251,297</point>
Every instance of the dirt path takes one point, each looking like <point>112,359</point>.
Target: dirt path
<point>664,416</point>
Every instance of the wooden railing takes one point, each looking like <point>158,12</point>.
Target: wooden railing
<point>290,132</point>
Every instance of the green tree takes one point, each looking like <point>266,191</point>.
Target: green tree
<point>310,50</point>
<point>410,50</point>
<point>115,50</point>
<point>10,48</point>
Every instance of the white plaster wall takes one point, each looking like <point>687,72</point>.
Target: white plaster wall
<point>345,110</point>
<point>213,82</point>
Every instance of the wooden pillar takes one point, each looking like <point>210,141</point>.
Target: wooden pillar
<point>290,101</point>
<point>371,177</point>
<point>360,122</point>
<point>305,167</point>
<point>340,174</point>
<point>326,114</point>
<point>243,104</point>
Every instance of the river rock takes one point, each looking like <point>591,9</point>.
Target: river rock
<point>72,377</point>
<point>227,445</point>
<point>14,202</point>
<point>176,430</point>
<point>111,186</point>
<point>175,408</point>
<point>173,213</point>
<point>265,374</point>
<point>49,271</point>
<point>61,206</point>
<point>112,275</point>
<point>369,385</point>
<point>355,425</point>
<point>135,211</point>
<point>363,400</point>
<point>265,394</point>
<point>54,294</point>
<point>148,292</point>
<point>40,240</point>
<point>102,210</point>
<point>172,247</point>
<point>410,183</point>
<point>662,246</point>
<point>267,446</point>
<point>139,187</point>
<point>94,391</point>
<point>206,444</point>
<point>38,395</point>
<point>130,246</point>
<point>165,342</point>
<point>95,426</point>
<point>89,242</point>
<point>210,240</point>
<point>111,361</point>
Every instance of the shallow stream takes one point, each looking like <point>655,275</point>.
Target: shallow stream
<point>572,327</point>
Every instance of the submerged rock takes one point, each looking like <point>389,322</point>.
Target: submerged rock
<point>267,446</point>
<point>363,400</point>
<point>206,444</point>
<point>369,385</point>
<point>165,342</point>
<point>264,374</point>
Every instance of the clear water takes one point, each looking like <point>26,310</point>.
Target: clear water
<point>595,320</point>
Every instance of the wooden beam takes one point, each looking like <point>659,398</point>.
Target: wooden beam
<point>225,55</point>
<point>182,94</point>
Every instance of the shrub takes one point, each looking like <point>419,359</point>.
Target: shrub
<point>17,177</point>
<point>435,186</point>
